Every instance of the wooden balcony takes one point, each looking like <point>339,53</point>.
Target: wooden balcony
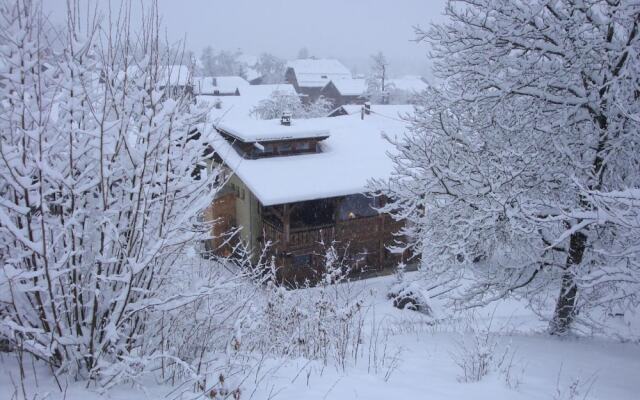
<point>351,230</point>
<point>300,234</point>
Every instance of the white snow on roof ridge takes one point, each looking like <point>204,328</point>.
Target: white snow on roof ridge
<point>409,83</point>
<point>350,86</point>
<point>397,111</point>
<point>312,72</point>
<point>250,130</point>
<point>221,84</point>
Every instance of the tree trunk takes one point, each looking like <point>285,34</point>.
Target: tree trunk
<point>566,303</point>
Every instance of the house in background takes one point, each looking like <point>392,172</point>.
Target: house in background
<point>219,85</point>
<point>309,76</point>
<point>345,91</point>
<point>240,107</point>
<point>396,111</point>
<point>404,90</point>
<point>298,186</point>
<point>250,69</point>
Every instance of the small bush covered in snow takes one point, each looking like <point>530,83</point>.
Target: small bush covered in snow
<point>409,296</point>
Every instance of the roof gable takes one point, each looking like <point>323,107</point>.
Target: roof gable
<point>350,87</point>
<point>318,72</point>
<point>251,130</point>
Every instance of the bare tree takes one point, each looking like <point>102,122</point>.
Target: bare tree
<point>377,87</point>
<point>303,53</point>
<point>222,63</point>
<point>271,68</point>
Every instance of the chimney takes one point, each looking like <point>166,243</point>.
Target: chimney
<point>285,119</point>
<point>367,108</point>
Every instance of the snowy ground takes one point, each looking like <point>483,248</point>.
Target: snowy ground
<point>416,361</point>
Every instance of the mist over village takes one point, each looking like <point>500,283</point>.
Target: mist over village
<point>268,199</point>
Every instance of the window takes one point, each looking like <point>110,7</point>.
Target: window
<point>303,260</point>
<point>303,146</point>
<point>284,147</point>
<point>357,206</point>
<point>324,77</point>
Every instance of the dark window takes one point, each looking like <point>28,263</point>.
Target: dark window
<point>303,260</point>
<point>284,147</point>
<point>303,146</point>
<point>357,206</point>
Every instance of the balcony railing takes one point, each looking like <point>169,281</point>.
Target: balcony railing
<point>347,230</point>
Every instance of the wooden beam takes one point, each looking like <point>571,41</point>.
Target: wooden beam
<point>381,235</point>
<point>286,223</point>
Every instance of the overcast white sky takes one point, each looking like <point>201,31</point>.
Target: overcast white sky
<point>350,30</point>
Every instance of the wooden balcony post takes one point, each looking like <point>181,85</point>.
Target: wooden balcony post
<point>381,236</point>
<point>286,223</point>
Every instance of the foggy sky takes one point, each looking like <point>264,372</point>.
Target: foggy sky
<point>350,30</point>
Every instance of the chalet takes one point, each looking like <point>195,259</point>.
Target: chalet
<point>301,185</point>
<point>219,85</point>
<point>397,111</point>
<point>405,89</point>
<point>309,76</point>
<point>241,106</point>
<point>345,91</point>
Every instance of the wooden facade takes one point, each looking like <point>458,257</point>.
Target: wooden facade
<point>298,234</point>
<point>222,215</point>
<point>307,94</point>
<point>331,92</point>
<point>300,252</point>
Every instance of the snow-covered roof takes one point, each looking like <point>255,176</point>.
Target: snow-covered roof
<point>252,73</point>
<point>398,111</point>
<point>350,87</point>
<point>409,83</point>
<point>354,153</point>
<point>318,72</point>
<point>252,130</point>
<point>221,84</point>
<point>238,107</point>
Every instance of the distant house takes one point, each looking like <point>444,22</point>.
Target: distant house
<point>238,107</point>
<point>309,76</point>
<point>250,71</point>
<point>393,111</point>
<point>405,89</point>
<point>345,91</point>
<point>298,186</point>
<point>219,85</point>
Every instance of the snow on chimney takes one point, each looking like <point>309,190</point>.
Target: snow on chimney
<point>285,119</point>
